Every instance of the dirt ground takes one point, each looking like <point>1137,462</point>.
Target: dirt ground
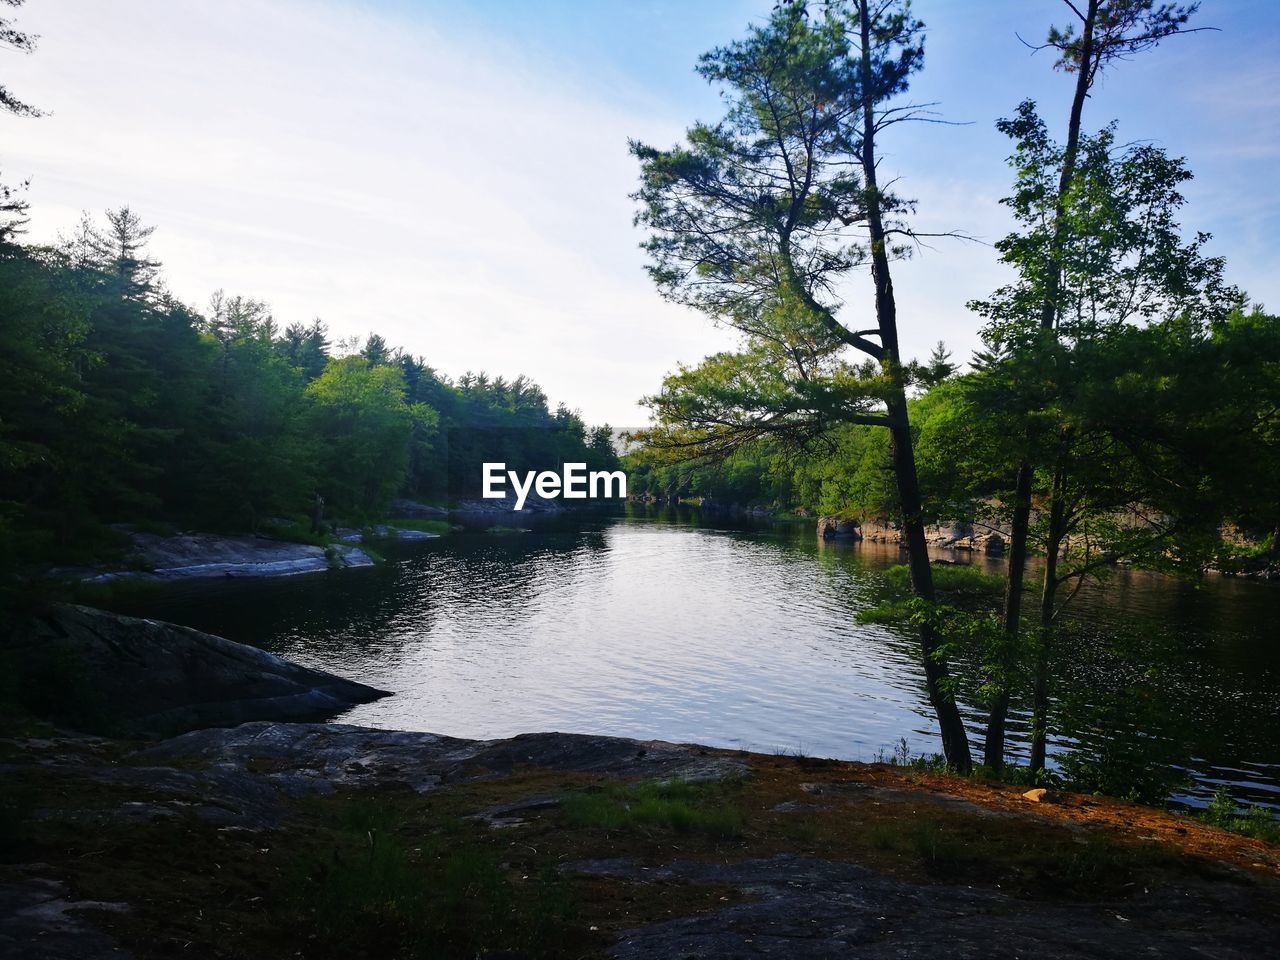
<point>307,840</point>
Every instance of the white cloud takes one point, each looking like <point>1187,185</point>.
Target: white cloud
<point>465,194</point>
<point>367,170</point>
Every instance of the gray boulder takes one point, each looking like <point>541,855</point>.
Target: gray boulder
<point>108,673</point>
<point>836,528</point>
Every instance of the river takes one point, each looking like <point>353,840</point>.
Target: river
<point>662,624</point>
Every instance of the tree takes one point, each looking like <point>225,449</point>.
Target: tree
<point>13,205</point>
<point>306,348</point>
<point>13,211</point>
<point>757,218</point>
<point>363,426</point>
<point>376,350</point>
<point>1104,32</point>
<point>118,249</point>
<point>12,37</point>
<point>937,369</point>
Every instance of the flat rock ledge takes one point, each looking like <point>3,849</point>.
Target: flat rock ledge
<point>147,678</point>
<point>793,906</point>
<point>804,908</point>
<point>241,779</point>
<point>382,532</point>
<point>192,556</point>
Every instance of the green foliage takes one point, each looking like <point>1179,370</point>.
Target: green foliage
<point>1223,813</point>
<point>754,220</point>
<point>964,615</point>
<point>670,805</point>
<point>120,404</point>
<point>1129,688</point>
<point>359,416</point>
<point>954,579</point>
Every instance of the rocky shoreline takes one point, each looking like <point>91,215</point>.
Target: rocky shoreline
<point>959,536</point>
<point>222,836</point>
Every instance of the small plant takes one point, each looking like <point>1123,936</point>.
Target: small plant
<point>445,896</point>
<point>1257,822</point>
<point>672,805</point>
<point>901,756</point>
<point>937,849</point>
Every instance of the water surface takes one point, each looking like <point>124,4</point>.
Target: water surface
<point>670,627</point>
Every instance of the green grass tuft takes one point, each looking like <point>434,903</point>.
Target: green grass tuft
<point>1257,822</point>
<point>673,805</point>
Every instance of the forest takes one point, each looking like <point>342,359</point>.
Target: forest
<point>121,404</point>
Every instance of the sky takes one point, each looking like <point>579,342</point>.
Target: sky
<point>455,176</point>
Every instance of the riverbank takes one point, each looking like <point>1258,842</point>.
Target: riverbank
<point>194,555</point>
<point>276,838</point>
<point>312,840</point>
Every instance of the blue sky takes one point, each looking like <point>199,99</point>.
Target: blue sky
<point>455,176</point>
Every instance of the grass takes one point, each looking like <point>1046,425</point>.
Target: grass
<point>376,892</point>
<point>1257,822</point>
<point>668,805</point>
<point>901,756</point>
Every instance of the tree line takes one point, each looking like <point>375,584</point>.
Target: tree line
<point>119,403</point>
<point>1123,407</point>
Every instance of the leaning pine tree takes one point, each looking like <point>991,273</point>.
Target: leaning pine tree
<point>757,219</point>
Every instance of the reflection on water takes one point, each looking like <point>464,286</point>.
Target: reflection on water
<point>657,627</point>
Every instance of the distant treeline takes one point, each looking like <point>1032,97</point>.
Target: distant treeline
<point>120,403</point>
<point>1193,415</point>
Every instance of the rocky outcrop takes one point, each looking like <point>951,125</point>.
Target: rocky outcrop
<point>874,532</point>
<point>235,793</point>
<point>838,528</point>
<point>382,532</point>
<point>293,758</point>
<point>147,678</point>
<point>506,506</point>
<point>189,556</point>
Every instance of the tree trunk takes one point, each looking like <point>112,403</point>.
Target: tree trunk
<point>1048,594</point>
<point>955,741</point>
<point>1020,523</point>
<point>993,748</point>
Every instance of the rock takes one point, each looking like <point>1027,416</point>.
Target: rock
<point>838,528</point>
<point>40,919</point>
<point>505,506</point>
<point>147,678</point>
<point>194,555</point>
<point>805,908</point>
<point>1038,795</point>
<point>382,532</point>
<point>993,545</point>
<point>879,533</point>
<point>325,756</point>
